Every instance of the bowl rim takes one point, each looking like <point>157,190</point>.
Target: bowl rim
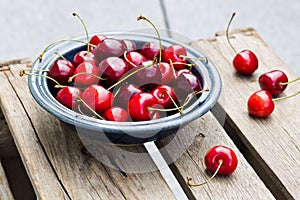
<point>39,90</point>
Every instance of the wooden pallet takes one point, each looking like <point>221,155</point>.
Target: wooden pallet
<point>269,148</point>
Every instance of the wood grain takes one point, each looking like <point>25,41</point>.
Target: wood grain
<point>51,152</point>
<point>5,193</point>
<point>273,143</point>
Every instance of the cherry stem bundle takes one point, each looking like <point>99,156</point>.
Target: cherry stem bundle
<point>227,35</point>
<point>190,182</point>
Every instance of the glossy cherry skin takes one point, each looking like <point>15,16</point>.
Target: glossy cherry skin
<point>182,71</point>
<point>98,98</point>
<point>221,153</point>
<point>164,95</point>
<point>134,58</point>
<point>68,96</point>
<point>117,114</point>
<point>86,79</point>
<point>112,69</point>
<point>174,53</point>
<point>167,73</point>
<point>148,77</point>
<point>125,93</point>
<point>84,56</point>
<point>151,50</point>
<point>260,104</point>
<point>138,107</point>
<point>130,45</point>
<point>109,48</point>
<point>245,62</point>
<point>271,80</point>
<point>96,39</point>
<point>61,70</point>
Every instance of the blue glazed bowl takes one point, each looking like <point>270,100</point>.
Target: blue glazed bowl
<point>124,132</point>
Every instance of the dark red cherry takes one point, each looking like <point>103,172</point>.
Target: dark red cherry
<point>97,98</point>
<point>112,69</point>
<point>125,93</point>
<point>224,155</point>
<point>61,70</point>
<point>260,104</point>
<point>84,56</point>
<point>167,72</point>
<point>177,54</point>
<point>245,62</point>
<point>130,45</point>
<point>182,71</point>
<point>134,59</point>
<point>165,95</point>
<point>151,50</point>
<point>83,74</point>
<point>96,39</point>
<point>109,48</point>
<point>271,80</point>
<point>117,114</point>
<point>139,104</point>
<point>68,96</point>
<point>149,77</point>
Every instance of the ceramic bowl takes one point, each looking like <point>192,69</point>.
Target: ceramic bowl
<point>124,132</point>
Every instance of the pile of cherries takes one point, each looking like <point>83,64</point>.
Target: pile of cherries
<point>272,83</point>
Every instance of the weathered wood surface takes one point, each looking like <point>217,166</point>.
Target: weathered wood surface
<point>5,193</point>
<point>51,153</point>
<point>272,145</point>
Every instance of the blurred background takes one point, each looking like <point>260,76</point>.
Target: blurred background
<point>28,26</point>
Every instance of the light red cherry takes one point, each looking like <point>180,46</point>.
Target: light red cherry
<point>68,96</point>
<point>260,104</point>
<point>134,59</point>
<point>177,55</point>
<point>245,62</point>
<point>167,72</point>
<point>116,114</point>
<point>84,56</point>
<point>86,74</point>
<point>165,95</point>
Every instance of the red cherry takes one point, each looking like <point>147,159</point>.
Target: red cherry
<point>134,59</point>
<point>96,39</point>
<point>112,69</point>
<point>108,48</point>
<point>84,56</point>
<point>97,98</point>
<point>68,97</point>
<point>176,53</point>
<point>167,72</point>
<point>125,93</point>
<point>222,154</point>
<point>260,104</point>
<point>245,62</point>
<point>117,114</point>
<point>86,68</point>
<point>182,71</point>
<point>164,95</point>
<point>148,77</point>
<point>129,44</point>
<point>61,70</point>
<point>151,50</point>
<point>271,80</point>
<point>139,104</point>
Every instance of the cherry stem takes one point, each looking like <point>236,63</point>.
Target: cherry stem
<point>61,56</point>
<point>227,30</point>
<point>85,29</point>
<point>129,75</point>
<point>199,58</point>
<point>286,83</point>
<point>92,110</point>
<point>189,97</point>
<point>157,32</point>
<point>190,182</point>
<point>60,41</point>
<point>128,60</point>
<point>84,73</point>
<point>286,97</point>
<point>25,72</point>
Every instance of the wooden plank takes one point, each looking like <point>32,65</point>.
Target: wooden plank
<point>5,193</point>
<point>272,144</point>
<point>54,161</point>
<point>205,133</point>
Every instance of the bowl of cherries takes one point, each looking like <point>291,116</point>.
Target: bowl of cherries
<point>124,87</point>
